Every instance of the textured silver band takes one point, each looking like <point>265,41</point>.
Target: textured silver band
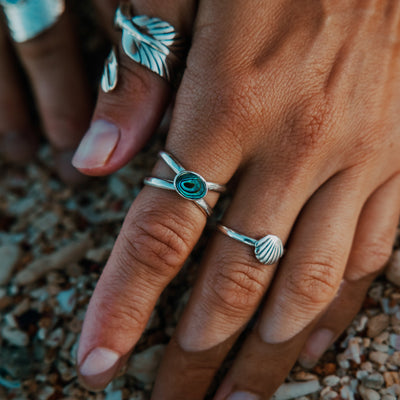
<point>151,42</point>
<point>267,250</point>
<point>27,19</point>
<point>187,184</point>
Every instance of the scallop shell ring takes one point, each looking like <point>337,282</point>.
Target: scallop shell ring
<point>268,250</point>
<point>187,184</point>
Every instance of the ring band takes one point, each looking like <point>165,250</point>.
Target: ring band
<point>151,42</point>
<point>268,250</point>
<point>187,184</point>
<point>26,19</point>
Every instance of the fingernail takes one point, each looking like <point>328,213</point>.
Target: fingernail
<point>243,396</point>
<point>97,146</point>
<point>315,347</point>
<point>17,146</point>
<point>99,367</point>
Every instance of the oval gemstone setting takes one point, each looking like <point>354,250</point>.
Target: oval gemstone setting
<point>190,185</point>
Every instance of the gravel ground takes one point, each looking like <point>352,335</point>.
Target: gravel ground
<point>54,242</point>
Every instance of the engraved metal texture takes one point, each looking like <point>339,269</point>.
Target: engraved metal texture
<point>268,250</point>
<point>27,19</point>
<point>110,74</point>
<point>151,42</point>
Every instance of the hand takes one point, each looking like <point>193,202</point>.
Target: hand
<point>57,76</point>
<point>302,102</point>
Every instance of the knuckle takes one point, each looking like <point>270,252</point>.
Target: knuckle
<point>238,287</point>
<point>158,242</point>
<point>314,283</point>
<point>370,259</point>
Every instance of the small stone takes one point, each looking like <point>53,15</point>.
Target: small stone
<point>304,376</point>
<point>378,357</point>
<point>368,394</point>
<point>361,375</point>
<point>374,381</point>
<point>367,366</point>
<point>391,378</point>
<point>55,338</point>
<point>329,395</point>
<point>377,324</point>
<point>15,336</point>
<point>394,341</point>
<point>296,389</point>
<point>67,300</point>
<point>331,380</point>
<point>393,269</point>
<point>9,255</point>
<point>388,397</point>
<point>395,358</point>
<point>144,365</point>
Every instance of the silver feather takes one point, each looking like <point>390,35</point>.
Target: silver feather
<point>150,42</point>
<point>269,249</point>
<point>110,74</point>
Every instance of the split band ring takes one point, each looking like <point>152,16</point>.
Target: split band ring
<point>187,184</point>
<point>27,19</point>
<point>268,250</point>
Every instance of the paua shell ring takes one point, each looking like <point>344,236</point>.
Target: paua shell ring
<point>187,184</point>
<point>151,42</point>
<point>27,19</point>
<point>267,250</point>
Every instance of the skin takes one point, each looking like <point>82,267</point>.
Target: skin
<point>300,101</point>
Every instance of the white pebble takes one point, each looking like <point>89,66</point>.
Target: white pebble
<point>67,300</point>
<point>378,357</point>
<point>331,380</point>
<point>15,336</point>
<point>368,394</point>
<point>296,389</point>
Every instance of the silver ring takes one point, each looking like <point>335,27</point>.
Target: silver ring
<point>151,42</point>
<point>268,250</point>
<point>27,19</point>
<point>187,184</point>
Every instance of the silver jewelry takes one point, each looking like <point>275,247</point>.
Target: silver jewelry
<point>151,42</point>
<point>187,184</point>
<point>267,250</point>
<point>27,19</point>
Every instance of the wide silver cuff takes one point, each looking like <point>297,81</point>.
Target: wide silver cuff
<point>28,18</point>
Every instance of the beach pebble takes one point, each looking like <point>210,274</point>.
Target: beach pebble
<point>9,255</point>
<point>331,380</point>
<point>374,381</point>
<point>15,336</point>
<point>378,357</point>
<point>143,366</point>
<point>377,324</point>
<point>296,389</point>
<point>368,394</point>
<point>67,300</point>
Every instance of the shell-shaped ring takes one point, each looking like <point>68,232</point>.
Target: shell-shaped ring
<point>268,250</point>
<point>187,184</point>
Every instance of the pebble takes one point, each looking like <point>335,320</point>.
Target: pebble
<point>393,269</point>
<point>391,378</point>
<point>296,389</point>
<point>378,357</point>
<point>14,336</point>
<point>71,253</point>
<point>374,381</point>
<point>368,394</point>
<point>331,380</point>
<point>67,300</point>
<point>143,366</point>
<point>9,255</point>
<point>377,324</point>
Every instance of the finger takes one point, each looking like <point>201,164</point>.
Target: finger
<point>157,236</point>
<point>53,63</point>
<point>371,249</point>
<point>258,359</point>
<point>17,138</point>
<point>125,118</point>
